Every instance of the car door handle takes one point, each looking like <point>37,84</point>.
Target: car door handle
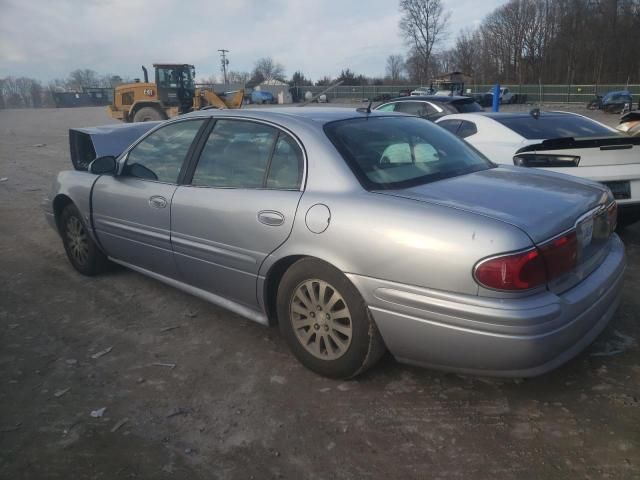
<point>271,218</point>
<point>157,201</point>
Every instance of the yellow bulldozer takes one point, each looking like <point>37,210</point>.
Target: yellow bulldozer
<point>173,93</point>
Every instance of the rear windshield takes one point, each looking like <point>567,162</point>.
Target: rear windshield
<point>560,126</point>
<point>467,106</point>
<point>400,152</point>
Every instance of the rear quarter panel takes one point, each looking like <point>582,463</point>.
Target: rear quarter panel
<point>399,240</point>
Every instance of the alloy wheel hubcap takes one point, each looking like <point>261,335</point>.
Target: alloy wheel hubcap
<point>321,319</point>
<point>77,240</point>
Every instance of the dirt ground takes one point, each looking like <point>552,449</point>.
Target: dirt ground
<point>237,404</point>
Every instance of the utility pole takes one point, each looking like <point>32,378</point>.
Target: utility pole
<point>224,61</point>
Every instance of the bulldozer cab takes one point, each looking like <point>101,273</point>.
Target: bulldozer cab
<point>176,85</point>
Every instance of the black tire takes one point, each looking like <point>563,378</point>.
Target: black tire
<point>593,105</point>
<point>82,252</point>
<point>365,346</point>
<point>149,114</point>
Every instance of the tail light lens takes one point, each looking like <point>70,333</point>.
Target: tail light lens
<point>560,255</point>
<point>530,269</point>
<point>612,216</point>
<point>545,160</point>
<point>520,271</point>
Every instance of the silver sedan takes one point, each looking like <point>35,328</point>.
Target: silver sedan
<point>355,231</point>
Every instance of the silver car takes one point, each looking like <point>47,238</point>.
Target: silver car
<point>355,231</point>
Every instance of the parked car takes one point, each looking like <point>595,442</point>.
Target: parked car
<point>421,91</point>
<point>430,107</point>
<point>483,99</point>
<point>505,96</point>
<point>355,231</point>
<point>262,96</point>
<point>630,123</point>
<point>563,142</point>
<point>612,102</point>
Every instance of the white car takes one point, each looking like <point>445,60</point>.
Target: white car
<point>559,141</point>
<point>420,91</point>
<point>505,95</point>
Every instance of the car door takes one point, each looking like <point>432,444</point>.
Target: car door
<point>132,210</point>
<point>238,207</point>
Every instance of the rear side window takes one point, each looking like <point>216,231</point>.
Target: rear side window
<point>285,169</point>
<point>467,129</point>
<point>555,126</point>
<point>242,154</point>
<point>412,108</point>
<point>161,154</point>
<point>399,152</point>
<point>387,108</point>
<point>467,106</point>
<point>451,125</point>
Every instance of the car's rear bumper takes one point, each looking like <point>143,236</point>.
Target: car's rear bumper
<point>520,337</point>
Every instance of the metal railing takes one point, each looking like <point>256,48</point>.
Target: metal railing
<point>532,93</point>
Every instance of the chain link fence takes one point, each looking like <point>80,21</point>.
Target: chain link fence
<point>529,93</point>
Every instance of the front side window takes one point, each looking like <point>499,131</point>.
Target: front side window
<point>161,154</point>
<point>242,154</point>
<point>399,152</point>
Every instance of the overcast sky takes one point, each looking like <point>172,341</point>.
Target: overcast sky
<point>46,39</point>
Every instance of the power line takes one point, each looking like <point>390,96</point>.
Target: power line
<point>224,62</point>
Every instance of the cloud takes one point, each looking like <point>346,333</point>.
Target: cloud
<point>47,40</point>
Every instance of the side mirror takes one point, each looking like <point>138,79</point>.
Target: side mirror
<point>103,165</point>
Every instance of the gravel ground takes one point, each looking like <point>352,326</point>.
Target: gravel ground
<point>237,404</point>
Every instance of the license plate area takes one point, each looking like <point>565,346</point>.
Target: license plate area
<point>621,190</point>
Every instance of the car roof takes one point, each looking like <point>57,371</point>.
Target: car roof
<point>430,98</point>
<point>315,115</point>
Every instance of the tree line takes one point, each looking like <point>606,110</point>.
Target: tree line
<point>26,92</point>
<point>527,42</point>
<point>520,42</point>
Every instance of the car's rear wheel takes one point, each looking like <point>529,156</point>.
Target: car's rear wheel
<point>326,322</point>
<point>83,253</point>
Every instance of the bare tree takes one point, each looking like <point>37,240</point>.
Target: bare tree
<point>423,24</point>
<point>238,77</point>
<point>268,70</point>
<point>465,53</point>
<point>395,68</point>
<point>81,78</point>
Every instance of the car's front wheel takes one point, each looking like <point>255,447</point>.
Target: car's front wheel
<point>83,253</point>
<point>326,322</point>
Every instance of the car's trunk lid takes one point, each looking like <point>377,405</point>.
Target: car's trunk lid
<point>541,204</point>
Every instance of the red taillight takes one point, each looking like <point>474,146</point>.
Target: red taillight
<point>519,271</point>
<point>560,255</point>
<point>525,270</point>
<point>612,216</point>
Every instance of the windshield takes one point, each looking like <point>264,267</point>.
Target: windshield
<point>176,77</point>
<point>400,152</point>
<point>559,126</point>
